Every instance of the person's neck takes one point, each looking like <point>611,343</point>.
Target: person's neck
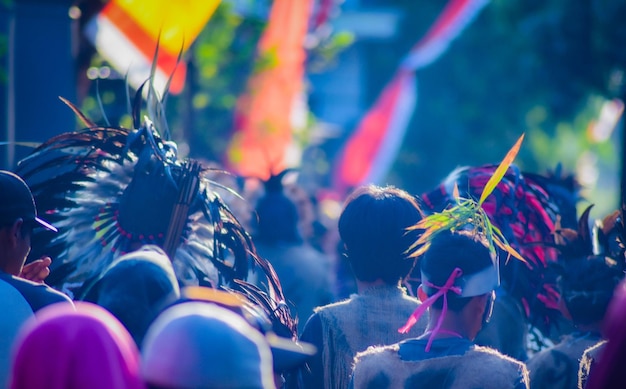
<point>452,326</point>
<point>364,285</point>
<point>8,263</point>
<point>5,268</point>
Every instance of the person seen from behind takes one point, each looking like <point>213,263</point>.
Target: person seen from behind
<point>22,291</point>
<point>586,286</point>
<point>459,275</point>
<point>305,273</point>
<point>18,218</point>
<point>373,228</point>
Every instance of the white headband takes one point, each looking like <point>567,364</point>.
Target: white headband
<point>475,284</point>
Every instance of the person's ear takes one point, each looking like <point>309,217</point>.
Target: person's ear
<point>16,229</point>
<point>421,294</point>
<point>473,313</point>
<point>10,234</point>
<point>478,305</point>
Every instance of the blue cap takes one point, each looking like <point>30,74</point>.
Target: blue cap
<point>200,345</point>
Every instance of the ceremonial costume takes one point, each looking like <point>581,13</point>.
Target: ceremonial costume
<point>374,229</point>
<point>524,206</point>
<point>557,367</point>
<point>459,272</point>
<point>588,361</point>
<point>587,285</point>
<point>111,190</point>
<point>342,329</point>
<point>451,363</point>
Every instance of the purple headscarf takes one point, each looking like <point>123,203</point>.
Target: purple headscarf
<point>609,370</point>
<point>67,348</point>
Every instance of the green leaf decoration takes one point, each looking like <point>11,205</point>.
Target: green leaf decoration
<point>468,213</point>
<point>501,170</point>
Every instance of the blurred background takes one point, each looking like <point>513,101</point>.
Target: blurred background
<point>552,69</point>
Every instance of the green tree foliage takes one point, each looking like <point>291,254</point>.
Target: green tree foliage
<point>219,64</point>
<point>5,6</point>
<point>543,67</point>
<point>522,65</point>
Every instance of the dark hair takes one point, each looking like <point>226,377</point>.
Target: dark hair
<point>7,224</point>
<point>449,250</point>
<point>587,286</point>
<point>25,230</point>
<point>277,219</point>
<point>373,227</point>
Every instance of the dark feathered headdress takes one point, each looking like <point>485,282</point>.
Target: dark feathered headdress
<point>112,189</point>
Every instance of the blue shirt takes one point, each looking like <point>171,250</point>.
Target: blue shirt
<point>37,295</point>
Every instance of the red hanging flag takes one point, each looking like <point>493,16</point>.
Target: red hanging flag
<point>371,149</point>
<point>263,129</point>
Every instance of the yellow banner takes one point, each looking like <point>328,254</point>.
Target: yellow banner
<point>178,21</point>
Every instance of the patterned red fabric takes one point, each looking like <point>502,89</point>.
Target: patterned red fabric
<point>525,210</point>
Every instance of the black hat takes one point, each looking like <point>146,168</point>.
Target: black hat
<point>16,201</point>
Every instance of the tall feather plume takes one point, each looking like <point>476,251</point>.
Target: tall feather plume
<point>524,208</point>
<point>275,309</point>
<point>110,190</point>
<point>465,212</point>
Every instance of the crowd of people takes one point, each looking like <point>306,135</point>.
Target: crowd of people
<point>408,322</point>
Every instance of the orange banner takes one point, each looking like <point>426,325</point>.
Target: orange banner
<point>126,34</point>
<point>263,129</point>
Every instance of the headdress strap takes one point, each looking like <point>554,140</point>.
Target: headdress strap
<point>441,291</point>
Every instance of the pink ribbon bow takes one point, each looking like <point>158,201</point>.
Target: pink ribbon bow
<point>441,291</point>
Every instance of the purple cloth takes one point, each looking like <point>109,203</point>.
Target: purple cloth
<point>67,348</point>
<point>609,371</point>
